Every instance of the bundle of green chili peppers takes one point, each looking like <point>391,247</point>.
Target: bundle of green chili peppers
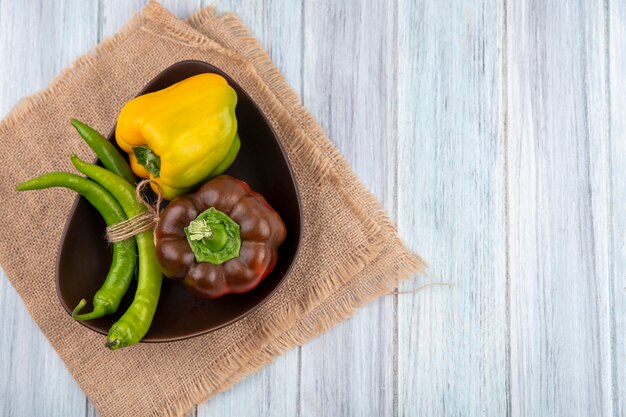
<point>111,191</point>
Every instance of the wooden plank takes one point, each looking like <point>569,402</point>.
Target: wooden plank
<point>37,40</point>
<point>114,14</point>
<point>349,86</point>
<point>33,379</point>
<point>274,390</point>
<point>616,22</point>
<point>557,183</point>
<point>452,357</point>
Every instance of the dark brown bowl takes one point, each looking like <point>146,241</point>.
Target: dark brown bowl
<point>84,256</point>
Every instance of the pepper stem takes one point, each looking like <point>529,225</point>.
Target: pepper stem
<point>199,229</point>
<point>96,313</point>
<point>213,237</point>
<point>148,159</point>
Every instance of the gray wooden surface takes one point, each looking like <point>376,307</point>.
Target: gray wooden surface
<point>493,133</point>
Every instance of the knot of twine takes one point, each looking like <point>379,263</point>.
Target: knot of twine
<point>141,222</point>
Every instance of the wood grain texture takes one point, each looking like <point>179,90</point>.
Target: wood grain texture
<point>114,13</point>
<point>616,65</point>
<point>557,152</point>
<point>349,86</point>
<point>491,130</point>
<point>452,341</point>
<point>37,39</point>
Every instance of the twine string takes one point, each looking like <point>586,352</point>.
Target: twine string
<point>141,222</point>
<point>423,287</point>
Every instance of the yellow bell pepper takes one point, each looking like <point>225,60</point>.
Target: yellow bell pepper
<point>183,135</point>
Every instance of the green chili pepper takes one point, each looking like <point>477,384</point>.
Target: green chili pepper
<point>110,157</point>
<point>107,298</point>
<point>135,322</point>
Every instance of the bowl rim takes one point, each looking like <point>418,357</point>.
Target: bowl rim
<point>298,242</point>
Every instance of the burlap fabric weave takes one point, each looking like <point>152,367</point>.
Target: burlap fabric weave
<point>350,252</point>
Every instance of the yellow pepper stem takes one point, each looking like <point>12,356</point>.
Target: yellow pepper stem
<point>148,159</point>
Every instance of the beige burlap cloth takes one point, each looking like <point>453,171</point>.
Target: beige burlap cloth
<point>350,252</point>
